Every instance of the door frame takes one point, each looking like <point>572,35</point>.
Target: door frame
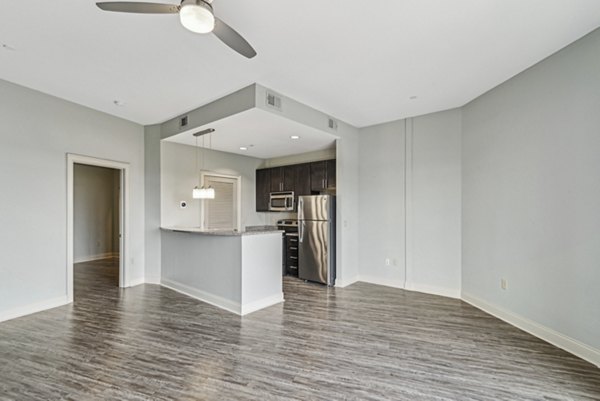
<point>124,265</point>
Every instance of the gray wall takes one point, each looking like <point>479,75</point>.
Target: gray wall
<point>36,133</point>
<point>179,176</point>
<point>434,203</point>
<point>410,203</point>
<point>531,193</point>
<point>95,212</point>
<point>184,258</point>
<point>382,203</point>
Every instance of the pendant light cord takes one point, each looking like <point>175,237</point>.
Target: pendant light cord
<point>197,157</point>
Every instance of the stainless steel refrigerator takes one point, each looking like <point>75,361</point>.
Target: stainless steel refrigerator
<point>316,238</point>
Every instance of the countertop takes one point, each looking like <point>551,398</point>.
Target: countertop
<point>250,230</point>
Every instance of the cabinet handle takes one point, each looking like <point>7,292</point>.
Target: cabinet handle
<point>323,183</point>
<point>293,257</point>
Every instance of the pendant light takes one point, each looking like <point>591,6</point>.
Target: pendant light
<point>199,191</point>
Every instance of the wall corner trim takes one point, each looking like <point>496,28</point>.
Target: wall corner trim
<point>203,296</point>
<point>152,280</point>
<point>424,288</point>
<point>434,290</point>
<point>345,283</point>
<point>261,303</point>
<point>34,308</point>
<point>220,302</point>
<point>547,334</point>
<point>136,281</point>
<point>394,283</point>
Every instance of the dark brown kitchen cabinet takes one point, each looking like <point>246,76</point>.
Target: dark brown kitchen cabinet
<point>283,179</point>
<point>291,263</point>
<point>303,179</point>
<point>318,176</point>
<point>302,186</point>
<point>322,175</point>
<point>331,174</point>
<point>276,179</point>
<point>263,189</point>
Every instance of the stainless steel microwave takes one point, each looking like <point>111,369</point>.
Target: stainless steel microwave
<point>281,201</point>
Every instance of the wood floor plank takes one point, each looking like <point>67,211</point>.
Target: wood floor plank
<point>363,342</point>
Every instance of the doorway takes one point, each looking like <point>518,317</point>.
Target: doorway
<point>97,210</point>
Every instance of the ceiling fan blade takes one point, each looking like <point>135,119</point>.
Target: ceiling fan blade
<point>136,7</point>
<point>233,39</point>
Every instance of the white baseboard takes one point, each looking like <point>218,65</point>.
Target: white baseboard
<point>136,281</point>
<point>99,256</point>
<point>220,302</point>
<point>547,334</point>
<point>261,304</point>
<point>424,288</point>
<point>345,283</point>
<point>381,281</point>
<point>33,308</point>
<point>152,280</point>
<point>203,296</point>
<point>434,290</point>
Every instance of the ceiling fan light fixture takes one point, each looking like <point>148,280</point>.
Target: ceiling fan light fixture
<point>197,16</point>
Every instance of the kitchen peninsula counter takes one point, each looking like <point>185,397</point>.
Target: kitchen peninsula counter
<point>252,230</point>
<point>236,271</point>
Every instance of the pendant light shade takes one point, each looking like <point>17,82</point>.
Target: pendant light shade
<point>203,193</point>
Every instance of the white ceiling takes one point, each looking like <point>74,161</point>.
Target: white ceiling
<point>357,61</point>
<point>265,135</point>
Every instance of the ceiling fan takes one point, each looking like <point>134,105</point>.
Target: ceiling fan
<point>195,15</point>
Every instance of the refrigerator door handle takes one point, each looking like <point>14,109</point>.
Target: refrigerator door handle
<point>300,209</point>
<point>301,233</point>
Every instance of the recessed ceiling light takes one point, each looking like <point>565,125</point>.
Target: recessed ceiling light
<point>295,137</point>
<point>413,97</point>
<point>243,148</point>
<point>119,103</point>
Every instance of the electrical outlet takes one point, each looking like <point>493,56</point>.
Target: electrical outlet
<point>387,261</point>
<point>503,284</point>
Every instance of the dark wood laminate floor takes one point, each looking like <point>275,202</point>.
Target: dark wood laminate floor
<point>364,342</point>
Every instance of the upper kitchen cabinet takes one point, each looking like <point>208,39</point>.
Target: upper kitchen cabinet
<point>263,188</point>
<point>283,178</point>
<point>331,174</point>
<point>302,179</point>
<point>322,175</point>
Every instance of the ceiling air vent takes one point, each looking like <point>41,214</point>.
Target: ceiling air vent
<point>183,122</point>
<point>332,124</point>
<point>274,101</point>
